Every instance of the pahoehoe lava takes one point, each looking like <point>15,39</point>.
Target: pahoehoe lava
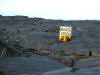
<point>36,39</point>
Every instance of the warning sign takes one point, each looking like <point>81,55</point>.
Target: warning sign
<point>65,33</point>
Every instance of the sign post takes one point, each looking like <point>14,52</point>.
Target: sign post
<point>65,33</point>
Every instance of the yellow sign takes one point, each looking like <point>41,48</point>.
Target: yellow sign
<point>65,33</point>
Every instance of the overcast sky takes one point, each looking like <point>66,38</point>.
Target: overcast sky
<point>52,9</point>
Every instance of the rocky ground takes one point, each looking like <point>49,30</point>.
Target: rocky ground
<point>38,37</point>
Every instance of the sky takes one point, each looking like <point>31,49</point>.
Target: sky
<point>52,9</point>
